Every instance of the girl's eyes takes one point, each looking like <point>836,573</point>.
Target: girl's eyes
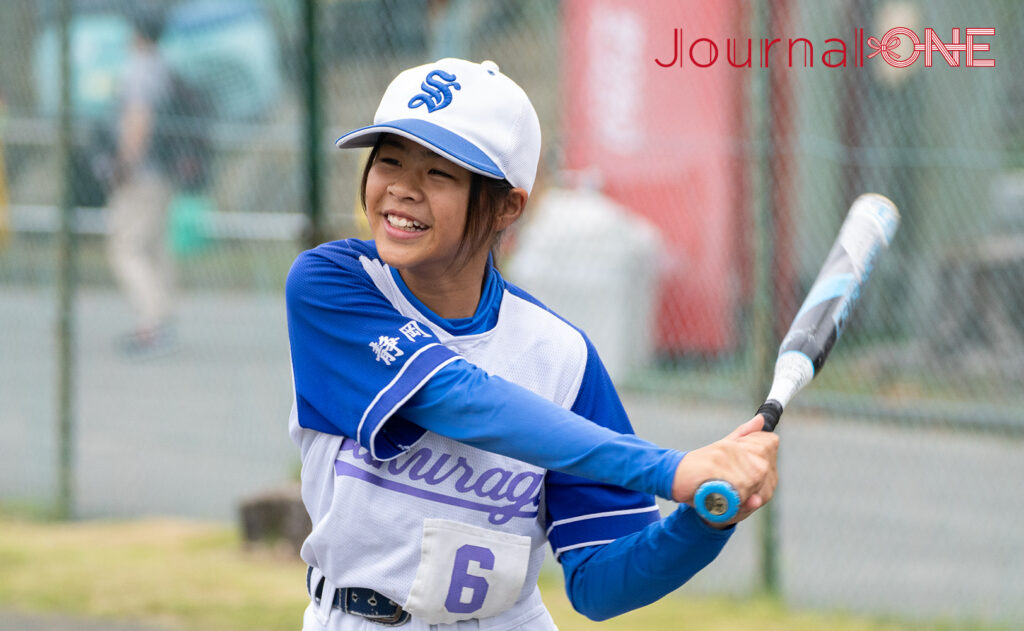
<point>395,162</point>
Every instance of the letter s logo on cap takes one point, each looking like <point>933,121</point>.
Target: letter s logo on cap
<point>437,91</point>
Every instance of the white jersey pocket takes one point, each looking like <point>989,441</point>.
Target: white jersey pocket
<point>467,572</point>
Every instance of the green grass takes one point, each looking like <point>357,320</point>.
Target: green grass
<point>189,576</point>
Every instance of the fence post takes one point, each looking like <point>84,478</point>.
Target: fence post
<point>315,234</point>
<point>762,312</point>
<point>65,279</point>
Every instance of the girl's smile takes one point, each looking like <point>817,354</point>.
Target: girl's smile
<point>403,224</point>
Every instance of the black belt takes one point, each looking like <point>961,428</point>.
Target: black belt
<point>363,601</point>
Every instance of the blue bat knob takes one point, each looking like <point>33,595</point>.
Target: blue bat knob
<point>716,501</point>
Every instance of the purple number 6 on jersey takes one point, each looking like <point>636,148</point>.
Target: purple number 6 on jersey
<point>462,579</point>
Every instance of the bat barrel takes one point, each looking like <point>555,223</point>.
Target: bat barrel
<point>869,227</point>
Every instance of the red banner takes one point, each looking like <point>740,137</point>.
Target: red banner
<point>653,106</point>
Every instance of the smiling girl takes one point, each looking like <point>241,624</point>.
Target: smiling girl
<point>450,425</point>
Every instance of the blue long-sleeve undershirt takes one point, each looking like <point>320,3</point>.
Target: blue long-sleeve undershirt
<point>464,403</point>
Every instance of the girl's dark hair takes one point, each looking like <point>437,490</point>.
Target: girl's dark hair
<point>486,198</point>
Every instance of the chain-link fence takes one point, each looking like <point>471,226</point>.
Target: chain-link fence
<point>698,159</point>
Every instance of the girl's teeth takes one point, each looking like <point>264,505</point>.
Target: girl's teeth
<point>407,224</point>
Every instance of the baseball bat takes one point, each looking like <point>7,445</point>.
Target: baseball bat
<point>868,228</point>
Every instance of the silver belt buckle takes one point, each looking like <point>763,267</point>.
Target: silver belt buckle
<point>392,621</point>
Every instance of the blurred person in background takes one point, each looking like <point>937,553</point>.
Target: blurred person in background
<point>141,194</point>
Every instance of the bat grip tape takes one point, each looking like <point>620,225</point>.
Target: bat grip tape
<point>772,411</point>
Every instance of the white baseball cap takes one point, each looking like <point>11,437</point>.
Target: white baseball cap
<point>468,112</point>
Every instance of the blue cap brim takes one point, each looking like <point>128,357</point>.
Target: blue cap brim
<point>436,138</point>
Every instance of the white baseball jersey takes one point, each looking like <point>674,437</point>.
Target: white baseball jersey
<point>448,531</point>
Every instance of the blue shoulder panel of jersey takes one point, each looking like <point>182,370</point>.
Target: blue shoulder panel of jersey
<point>355,358</point>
